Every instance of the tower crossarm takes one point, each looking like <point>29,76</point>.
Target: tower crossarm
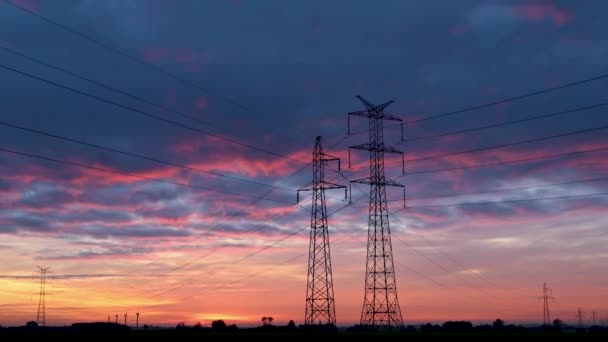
<point>377,148</point>
<point>384,182</point>
<point>322,185</point>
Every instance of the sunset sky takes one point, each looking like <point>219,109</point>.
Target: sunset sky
<point>236,91</point>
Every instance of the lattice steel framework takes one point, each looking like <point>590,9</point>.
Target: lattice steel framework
<point>380,304</point>
<point>545,298</point>
<point>41,316</point>
<point>320,303</point>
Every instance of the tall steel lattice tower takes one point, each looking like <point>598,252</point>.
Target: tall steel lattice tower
<point>545,298</point>
<point>320,303</point>
<point>380,305</point>
<point>41,317</point>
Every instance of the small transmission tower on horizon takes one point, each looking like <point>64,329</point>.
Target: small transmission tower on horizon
<point>380,304</point>
<point>320,303</point>
<point>545,298</point>
<point>41,316</point>
<point>580,315</point>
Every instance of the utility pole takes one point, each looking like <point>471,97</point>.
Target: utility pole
<point>580,317</point>
<point>320,303</point>
<point>545,298</point>
<point>380,303</point>
<point>116,320</point>
<point>137,320</point>
<point>125,318</point>
<point>41,317</point>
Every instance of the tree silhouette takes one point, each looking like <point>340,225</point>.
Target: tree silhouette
<point>218,325</point>
<point>291,325</point>
<point>264,320</point>
<point>498,324</point>
<point>558,323</point>
<point>270,319</point>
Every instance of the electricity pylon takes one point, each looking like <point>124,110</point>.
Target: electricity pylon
<point>320,303</point>
<point>545,298</point>
<point>41,317</point>
<point>580,316</point>
<point>380,304</point>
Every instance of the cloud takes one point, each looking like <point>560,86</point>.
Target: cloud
<point>539,11</point>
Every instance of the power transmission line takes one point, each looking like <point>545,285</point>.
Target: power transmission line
<point>491,147</point>
<point>504,201</point>
<point>156,160</point>
<point>95,168</point>
<point>502,190</point>
<point>498,102</point>
<point>505,123</point>
<point>139,61</point>
<point>510,99</point>
<point>504,145</point>
<point>248,255</point>
<point>514,161</point>
<point>255,228</point>
<point>146,114</point>
<point>104,86</point>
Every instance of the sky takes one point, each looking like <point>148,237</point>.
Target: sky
<point>236,92</point>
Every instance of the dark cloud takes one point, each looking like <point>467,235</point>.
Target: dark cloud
<point>37,197</point>
<point>29,222</point>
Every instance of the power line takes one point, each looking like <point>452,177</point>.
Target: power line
<point>506,145</point>
<point>246,256</point>
<point>514,161</point>
<point>147,114</point>
<point>512,122</point>
<point>95,168</point>
<point>156,160</point>
<point>103,85</point>
<point>137,60</point>
<point>510,99</point>
<point>505,201</point>
<point>490,148</point>
<point>265,270</point>
<point>255,228</point>
<point>192,261</point>
<point>504,190</point>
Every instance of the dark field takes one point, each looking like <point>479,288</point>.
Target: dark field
<point>171,335</point>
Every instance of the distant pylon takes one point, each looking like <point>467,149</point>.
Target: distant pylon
<point>380,305</point>
<point>116,319</point>
<point>320,303</point>
<point>580,317</point>
<point>545,298</point>
<point>108,319</point>
<point>137,320</point>
<point>125,318</point>
<point>593,315</point>
<point>41,317</point>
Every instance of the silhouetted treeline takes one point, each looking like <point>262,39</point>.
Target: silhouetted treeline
<point>219,326</point>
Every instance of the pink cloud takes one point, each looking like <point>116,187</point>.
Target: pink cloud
<point>154,55</point>
<point>202,103</point>
<point>539,11</point>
